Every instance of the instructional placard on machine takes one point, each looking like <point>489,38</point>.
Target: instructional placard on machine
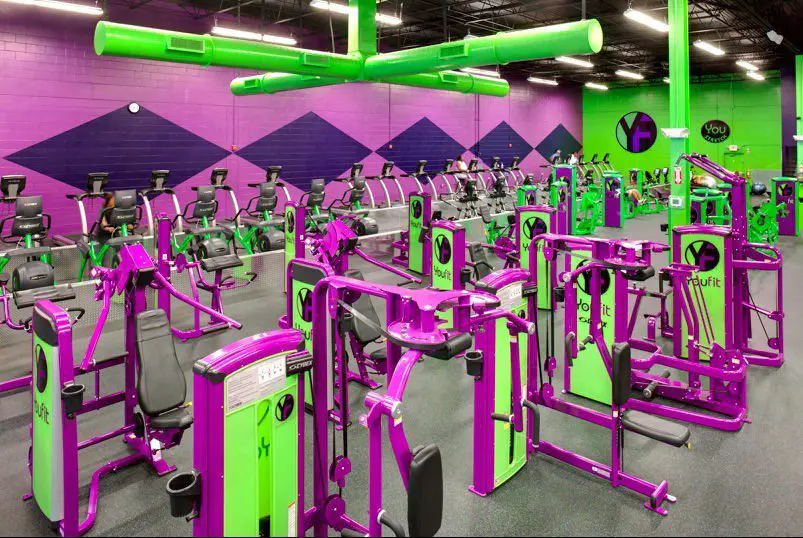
<point>256,382</point>
<point>510,296</point>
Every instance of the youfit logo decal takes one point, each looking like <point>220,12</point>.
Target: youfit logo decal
<point>416,209</point>
<point>41,369</point>
<point>636,132</point>
<point>444,249</point>
<point>703,255</point>
<point>284,409</point>
<point>304,304</point>
<point>584,282</point>
<point>533,227</point>
<point>715,131</point>
<point>785,190</point>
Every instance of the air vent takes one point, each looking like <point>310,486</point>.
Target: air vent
<point>186,44</point>
<point>448,78</point>
<point>456,50</point>
<point>252,82</point>
<point>315,60</point>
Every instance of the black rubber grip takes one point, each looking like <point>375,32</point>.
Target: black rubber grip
<point>452,347</point>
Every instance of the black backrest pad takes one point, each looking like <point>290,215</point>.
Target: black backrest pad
<point>316,195</point>
<point>364,306</point>
<point>425,492</point>
<point>357,190</point>
<point>160,381</point>
<point>266,201</point>
<point>204,202</point>
<point>27,216</point>
<point>478,256</point>
<point>621,373</point>
<point>124,211</point>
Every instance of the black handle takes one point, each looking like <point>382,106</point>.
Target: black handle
<point>396,528</point>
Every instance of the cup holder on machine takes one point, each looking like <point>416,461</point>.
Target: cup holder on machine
<point>185,493</point>
<point>72,397</point>
<point>474,363</point>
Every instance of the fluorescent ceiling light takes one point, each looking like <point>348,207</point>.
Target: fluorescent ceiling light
<point>755,75</point>
<point>595,86</point>
<point>667,80</point>
<point>709,48</point>
<point>60,6</point>
<point>646,20</point>
<point>481,72</point>
<point>390,20</point>
<point>747,65</point>
<point>629,74</point>
<point>544,81</point>
<point>574,61</point>
<point>253,36</point>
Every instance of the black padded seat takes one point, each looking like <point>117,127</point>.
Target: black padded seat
<point>161,386</point>
<point>179,419</point>
<point>128,240</point>
<point>220,263</point>
<point>340,212</point>
<point>379,355</point>
<point>665,431</point>
<point>640,275</point>
<point>259,223</point>
<point>28,298</point>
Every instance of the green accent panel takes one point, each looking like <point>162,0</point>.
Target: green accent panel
<point>415,253</point>
<point>510,452</point>
<point>48,474</point>
<point>443,273</point>
<point>582,37</point>
<point>713,283</point>
<point>589,375</point>
<point>260,463</point>
<point>362,27</point>
<point>799,101</point>
<point>753,111</point>
<point>544,282</point>
<point>113,39</point>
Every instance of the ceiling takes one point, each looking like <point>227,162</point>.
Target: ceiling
<point>738,26</point>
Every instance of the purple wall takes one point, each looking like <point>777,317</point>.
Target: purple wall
<point>62,115</point>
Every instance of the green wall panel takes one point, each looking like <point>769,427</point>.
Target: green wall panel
<point>753,111</point>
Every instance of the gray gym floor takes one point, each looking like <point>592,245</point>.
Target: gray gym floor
<point>743,483</point>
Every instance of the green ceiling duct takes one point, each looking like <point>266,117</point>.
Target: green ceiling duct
<point>448,80</point>
<point>291,68</point>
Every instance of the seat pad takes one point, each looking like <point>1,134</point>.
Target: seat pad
<point>665,431</point>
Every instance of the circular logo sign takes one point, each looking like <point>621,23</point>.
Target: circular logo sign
<point>636,132</point>
<point>41,369</point>
<point>703,255</point>
<point>284,409</point>
<point>304,304</point>
<point>584,282</point>
<point>715,131</point>
<point>416,209</point>
<point>290,221</point>
<point>533,227</point>
<point>444,249</point>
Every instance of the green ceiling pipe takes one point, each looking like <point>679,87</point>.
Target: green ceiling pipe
<point>448,80</point>
<point>138,42</point>
<point>583,37</point>
<point>279,82</point>
<point>454,81</point>
<point>362,27</point>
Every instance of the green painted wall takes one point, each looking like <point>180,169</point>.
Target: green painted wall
<point>752,109</point>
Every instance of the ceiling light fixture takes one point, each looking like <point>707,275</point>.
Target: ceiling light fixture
<point>253,36</point>
<point>334,7</point>
<point>544,81</point>
<point>642,18</point>
<point>83,9</point>
<point>481,72</point>
<point>595,86</point>
<point>747,65</point>
<point>667,80</point>
<point>629,74</point>
<point>755,75</point>
<point>709,48</point>
<point>574,61</point>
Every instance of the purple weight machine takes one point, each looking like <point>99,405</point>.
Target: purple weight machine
<point>155,412</point>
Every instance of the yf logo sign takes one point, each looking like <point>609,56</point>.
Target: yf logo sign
<point>290,222</point>
<point>785,190</point>
<point>533,227</point>
<point>285,407</point>
<point>703,255</point>
<point>416,209</point>
<point>443,249</point>
<point>636,132</point>
<point>612,184</point>
<point>715,131</point>
<point>304,304</point>
<point>585,280</point>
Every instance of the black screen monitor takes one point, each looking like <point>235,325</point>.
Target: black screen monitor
<point>96,182</point>
<point>273,173</point>
<point>419,171</point>
<point>496,163</point>
<point>219,176</point>
<point>12,186</point>
<point>159,179</point>
<point>356,170</point>
<point>515,162</point>
<point>473,164</point>
<point>387,168</point>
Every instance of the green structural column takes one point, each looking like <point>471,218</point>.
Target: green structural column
<point>799,93</point>
<point>679,108</point>
<point>362,27</point>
